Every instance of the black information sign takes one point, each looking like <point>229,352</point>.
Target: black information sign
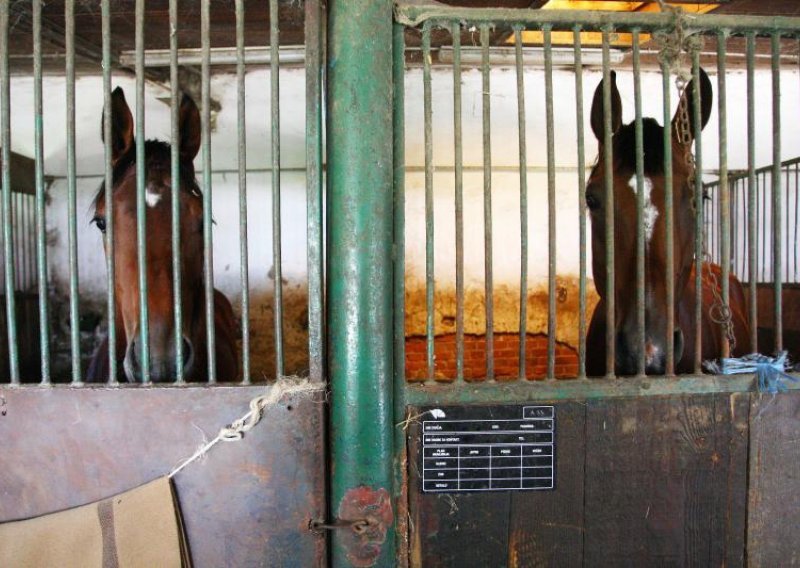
<point>488,448</point>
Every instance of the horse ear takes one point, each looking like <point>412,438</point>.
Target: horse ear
<point>706,101</point>
<point>121,126</point>
<point>189,126</point>
<point>597,109</point>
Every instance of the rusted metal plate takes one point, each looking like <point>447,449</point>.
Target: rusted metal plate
<point>247,503</point>
<point>773,512</point>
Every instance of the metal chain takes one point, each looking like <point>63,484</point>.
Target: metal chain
<point>720,313</point>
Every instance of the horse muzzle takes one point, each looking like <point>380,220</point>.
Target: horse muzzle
<point>163,366</point>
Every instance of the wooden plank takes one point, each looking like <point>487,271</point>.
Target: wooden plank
<point>461,529</point>
<point>246,503</point>
<point>774,493</point>
<point>666,480</point>
<point>546,527</point>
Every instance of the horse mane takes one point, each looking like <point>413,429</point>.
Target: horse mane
<point>624,147</point>
<point>158,156</point>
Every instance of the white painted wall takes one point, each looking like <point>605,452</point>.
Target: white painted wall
<point>89,150</point>
<point>505,183</point>
<point>504,159</point>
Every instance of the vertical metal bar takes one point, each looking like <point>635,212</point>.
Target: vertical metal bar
<point>242,154</point>
<point>429,233</point>
<point>399,390</point>
<point>487,202</point>
<point>314,42</point>
<point>724,189</point>
<point>796,224</point>
<point>640,279</point>
<point>105,10</point>
<point>72,211</point>
<point>669,217</point>
<point>523,203</point>
<point>41,226</point>
<point>608,164</point>
<point>360,222</point>
<point>551,203</point>
<point>699,247</point>
<point>274,76</point>
<point>752,188</point>
<point>175,169</point>
<point>459,200</point>
<point>777,195</point>
<point>205,122</point>
<point>576,34</point>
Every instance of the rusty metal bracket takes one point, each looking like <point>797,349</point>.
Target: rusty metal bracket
<point>368,514</point>
<point>358,526</point>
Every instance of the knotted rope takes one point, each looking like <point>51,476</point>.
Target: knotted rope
<point>237,429</point>
<point>771,371</point>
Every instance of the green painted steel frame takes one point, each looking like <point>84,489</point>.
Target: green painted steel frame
<point>360,238</point>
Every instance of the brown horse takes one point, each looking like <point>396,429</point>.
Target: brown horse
<point>160,297</point>
<point>628,352</point>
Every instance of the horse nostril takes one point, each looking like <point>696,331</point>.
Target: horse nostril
<point>678,342</point>
<point>188,352</point>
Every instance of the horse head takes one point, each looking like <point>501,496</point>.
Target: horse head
<point>625,189</point>
<point>161,299</point>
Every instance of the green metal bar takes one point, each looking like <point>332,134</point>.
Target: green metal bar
<point>699,205</point>
<point>41,219</point>
<point>244,274</point>
<point>175,176</point>
<point>669,217</point>
<point>523,201</point>
<point>459,200</point>
<point>5,177</point>
<point>724,193</point>
<point>141,207</point>
<point>109,196</point>
<point>608,164</point>
<point>314,71</point>
<point>777,194</point>
<point>487,203</point>
<point>752,188</point>
<point>640,275</point>
<point>551,204</point>
<point>208,244</point>
<point>429,229</point>
<point>414,14</point>
<point>576,34</point>
<point>275,110</point>
<point>360,280</point>
<point>502,392</point>
<point>72,208</point>
<point>399,384</point>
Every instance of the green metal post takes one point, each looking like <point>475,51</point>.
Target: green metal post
<point>360,277</point>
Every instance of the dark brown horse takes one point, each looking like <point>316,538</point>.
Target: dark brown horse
<point>160,297</point>
<point>628,352</point>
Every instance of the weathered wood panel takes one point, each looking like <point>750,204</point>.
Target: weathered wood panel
<point>666,480</point>
<point>546,527</point>
<point>464,530</point>
<point>640,481</point>
<point>247,503</point>
<point>774,493</point>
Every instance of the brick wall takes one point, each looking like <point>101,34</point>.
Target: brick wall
<point>506,357</point>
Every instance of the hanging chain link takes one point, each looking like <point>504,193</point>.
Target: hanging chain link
<point>719,312</point>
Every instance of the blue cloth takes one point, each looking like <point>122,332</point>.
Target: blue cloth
<point>771,371</point>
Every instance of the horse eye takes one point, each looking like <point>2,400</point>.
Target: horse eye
<point>101,223</point>
<point>592,201</point>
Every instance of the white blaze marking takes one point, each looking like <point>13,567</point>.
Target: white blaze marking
<point>152,197</point>
<point>650,210</point>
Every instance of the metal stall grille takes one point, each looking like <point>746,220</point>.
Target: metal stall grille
<point>165,55</point>
<point>463,171</point>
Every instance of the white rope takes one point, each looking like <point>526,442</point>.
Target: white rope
<point>237,429</point>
